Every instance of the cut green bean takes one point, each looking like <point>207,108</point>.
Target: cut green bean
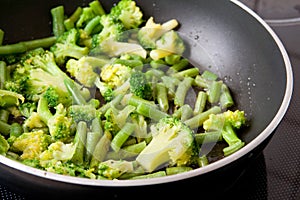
<point>184,112</point>
<point>97,7</point>
<point>157,64</point>
<point>152,175</point>
<point>162,97</point>
<point>129,63</point>
<point>173,59</point>
<point>202,161</point>
<point>177,170</point>
<point>4,115</point>
<point>122,136</point>
<point>181,65</point>
<point>88,29</point>
<point>171,83</point>
<point>112,103</point>
<point>181,91</point>
<point>208,75</point>
<point>80,142</point>
<point>58,18</point>
<point>135,101</point>
<point>70,22</point>
<point>208,137</point>
<point>151,112</point>
<point>3,74</point>
<point>202,82</point>
<point>214,92</point>
<point>200,102</point>
<point>127,152</point>
<point>92,139</point>
<point>1,36</point>
<point>191,72</point>
<point>24,46</point>
<point>198,119</point>
<point>101,149</point>
<point>226,99</point>
<point>4,128</point>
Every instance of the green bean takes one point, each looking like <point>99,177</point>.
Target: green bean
<point>151,112</point>
<point>201,82</point>
<point>198,119</point>
<point>1,36</point>
<point>119,139</point>
<point>4,115</point>
<point>191,72</point>
<point>88,29</point>
<point>97,7</point>
<point>171,83</point>
<point>162,97</point>
<point>181,65</point>
<point>214,92</point>
<point>208,75</point>
<point>58,17</point>
<point>4,128</point>
<point>135,101</point>
<point>182,90</point>
<point>202,161</point>
<point>177,170</point>
<point>70,22</point>
<point>80,142</point>
<point>129,63</point>
<point>112,103</point>
<point>208,137</point>
<point>101,149</point>
<point>96,126</point>
<point>226,99</point>
<point>152,175</point>
<point>184,112</point>
<point>24,46</point>
<point>3,74</point>
<point>200,102</point>
<point>157,64</point>
<point>173,59</point>
<point>92,139</point>
<point>127,152</point>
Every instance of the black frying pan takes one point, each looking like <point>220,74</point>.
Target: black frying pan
<point>225,37</point>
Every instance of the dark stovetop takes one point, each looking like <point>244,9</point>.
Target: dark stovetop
<point>275,174</point>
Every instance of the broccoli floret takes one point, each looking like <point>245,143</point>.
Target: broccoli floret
<point>55,96</point>
<point>151,32</point>
<point>108,93</point>
<point>228,123</point>
<point>67,46</point>
<point>34,122</point>
<point>128,13</point>
<point>169,43</point>
<point>83,112</point>
<point>27,108</point>
<point>61,127</point>
<point>9,98</point>
<point>86,15</point>
<point>115,119</point>
<point>172,144</point>
<point>140,86</point>
<point>115,75</point>
<point>31,144</point>
<point>85,69</point>
<point>113,169</point>
<point>112,29</point>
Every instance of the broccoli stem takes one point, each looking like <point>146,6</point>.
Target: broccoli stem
<point>3,74</point>
<point>24,46</point>
<point>101,150</point>
<point>198,119</point>
<point>92,139</point>
<point>232,139</point>
<point>58,17</point>
<point>202,161</point>
<point>150,112</point>
<point>70,22</point>
<point>1,36</point>
<point>122,136</point>
<point>80,142</point>
<point>97,7</point>
<point>43,110</point>
<point>74,92</point>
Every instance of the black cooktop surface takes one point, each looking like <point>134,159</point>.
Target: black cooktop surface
<point>275,174</point>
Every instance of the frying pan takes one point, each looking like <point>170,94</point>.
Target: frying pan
<point>223,36</point>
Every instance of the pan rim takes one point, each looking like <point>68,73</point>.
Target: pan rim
<point>196,172</point>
